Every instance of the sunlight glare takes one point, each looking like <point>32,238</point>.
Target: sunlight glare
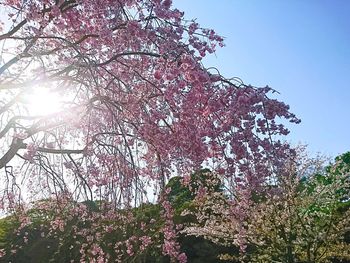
<point>43,101</point>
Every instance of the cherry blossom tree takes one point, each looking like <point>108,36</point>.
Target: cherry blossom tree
<point>136,106</point>
<point>302,217</point>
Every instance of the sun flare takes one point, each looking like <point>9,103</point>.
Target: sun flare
<point>43,101</point>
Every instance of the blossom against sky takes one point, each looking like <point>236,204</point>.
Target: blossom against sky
<point>300,48</point>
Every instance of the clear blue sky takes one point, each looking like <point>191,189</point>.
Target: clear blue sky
<point>300,48</point>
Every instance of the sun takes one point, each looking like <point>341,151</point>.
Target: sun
<point>43,101</point>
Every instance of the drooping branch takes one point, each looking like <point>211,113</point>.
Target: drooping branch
<point>15,146</point>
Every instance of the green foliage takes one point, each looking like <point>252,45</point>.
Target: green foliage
<point>181,195</point>
<point>7,227</point>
